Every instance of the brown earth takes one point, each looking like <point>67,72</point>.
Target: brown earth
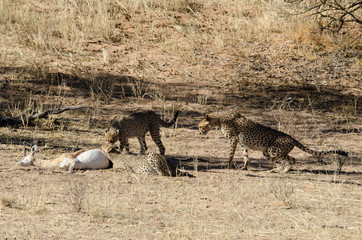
<point>167,60</point>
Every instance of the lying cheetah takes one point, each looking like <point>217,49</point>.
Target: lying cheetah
<point>137,125</point>
<point>159,165</point>
<point>274,144</point>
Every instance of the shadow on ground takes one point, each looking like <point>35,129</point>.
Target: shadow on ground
<point>260,165</point>
<point>121,86</point>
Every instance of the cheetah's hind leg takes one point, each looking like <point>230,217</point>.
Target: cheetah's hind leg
<point>272,159</point>
<point>156,137</point>
<point>320,161</point>
<point>246,158</point>
<point>286,164</point>
<point>277,169</point>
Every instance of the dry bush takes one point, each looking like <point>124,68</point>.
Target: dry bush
<point>139,87</point>
<point>281,190</point>
<point>331,24</point>
<point>333,15</point>
<point>285,115</point>
<point>101,88</point>
<point>76,193</point>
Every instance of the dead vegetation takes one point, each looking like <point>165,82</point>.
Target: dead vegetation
<point>119,57</point>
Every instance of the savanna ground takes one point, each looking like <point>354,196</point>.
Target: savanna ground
<point>119,57</point>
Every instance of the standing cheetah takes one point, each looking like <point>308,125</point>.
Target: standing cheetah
<point>137,125</point>
<point>274,144</point>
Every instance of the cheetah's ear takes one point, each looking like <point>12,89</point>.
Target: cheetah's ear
<point>207,118</point>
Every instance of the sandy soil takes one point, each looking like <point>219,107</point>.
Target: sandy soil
<point>309,202</point>
<point>215,56</point>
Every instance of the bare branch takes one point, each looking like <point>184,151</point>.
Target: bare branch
<point>333,15</point>
<point>16,121</point>
<point>55,111</point>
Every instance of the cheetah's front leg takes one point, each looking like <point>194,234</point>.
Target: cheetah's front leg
<point>124,144</point>
<point>142,141</point>
<point>233,145</point>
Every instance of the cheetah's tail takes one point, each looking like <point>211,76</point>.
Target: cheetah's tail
<point>183,173</point>
<point>169,124</point>
<point>319,153</point>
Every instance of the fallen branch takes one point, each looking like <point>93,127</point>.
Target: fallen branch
<point>56,111</point>
<point>16,121</point>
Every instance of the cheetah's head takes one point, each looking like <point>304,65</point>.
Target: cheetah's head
<point>107,147</point>
<point>205,125</point>
<point>112,135</point>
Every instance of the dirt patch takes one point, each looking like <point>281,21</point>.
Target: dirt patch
<point>197,57</point>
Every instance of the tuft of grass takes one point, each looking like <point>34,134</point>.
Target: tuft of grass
<point>281,190</point>
<point>139,88</point>
<point>285,115</point>
<point>201,99</point>
<point>34,204</point>
<point>25,108</point>
<point>76,194</point>
<point>11,203</point>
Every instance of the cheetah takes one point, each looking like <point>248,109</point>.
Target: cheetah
<point>160,165</point>
<point>137,125</point>
<point>274,144</point>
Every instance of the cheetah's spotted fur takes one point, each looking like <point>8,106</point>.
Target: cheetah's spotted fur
<point>274,144</point>
<point>137,125</point>
<point>159,165</point>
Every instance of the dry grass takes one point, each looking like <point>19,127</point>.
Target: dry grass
<point>215,204</point>
<point>196,56</point>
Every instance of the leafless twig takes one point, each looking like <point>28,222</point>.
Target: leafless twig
<point>15,121</point>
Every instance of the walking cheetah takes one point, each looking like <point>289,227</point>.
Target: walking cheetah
<point>137,125</point>
<point>274,144</point>
<point>159,165</point>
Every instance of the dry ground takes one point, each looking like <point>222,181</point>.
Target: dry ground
<point>309,202</point>
<point>119,57</point>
